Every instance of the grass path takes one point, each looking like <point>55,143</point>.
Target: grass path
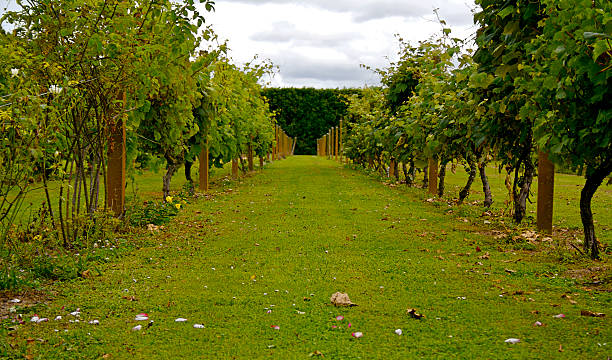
<point>270,251</point>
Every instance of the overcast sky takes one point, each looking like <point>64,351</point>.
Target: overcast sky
<point>321,43</point>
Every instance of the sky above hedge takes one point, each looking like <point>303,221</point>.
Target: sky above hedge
<point>321,43</point>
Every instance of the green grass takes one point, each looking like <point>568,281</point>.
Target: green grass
<point>566,211</point>
<point>303,229</point>
<point>140,185</point>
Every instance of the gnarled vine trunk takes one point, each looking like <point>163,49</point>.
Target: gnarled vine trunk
<point>520,197</point>
<point>171,169</point>
<point>486,187</point>
<point>188,165</point>
<point>593,181</point>
<point>463,194</point>
<point>441,176</point>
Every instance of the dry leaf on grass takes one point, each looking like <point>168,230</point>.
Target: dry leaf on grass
<point>341,299</point>
<point>591,314</point>
<point>414,314</point>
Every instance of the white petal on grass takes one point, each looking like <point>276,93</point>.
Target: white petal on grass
<point>198,326</point>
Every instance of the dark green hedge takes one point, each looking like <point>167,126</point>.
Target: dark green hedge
<point>307,113</point>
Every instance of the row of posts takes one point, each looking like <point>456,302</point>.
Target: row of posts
<point>331,144</point>
<point>282,147</point>
<point>546,190</point>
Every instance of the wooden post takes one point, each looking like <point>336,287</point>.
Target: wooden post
<point>337,142</point>
<point>234,169</point>
<point>275,147</point>
<point>433,176</point>
<point>340,137</point>
<point>250,158</point>
<point>115,173</point>
<point>204,168</point>
<point>392,166</point>
<point>278,156</point>
<point>546,190</point>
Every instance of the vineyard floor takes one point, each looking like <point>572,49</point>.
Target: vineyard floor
<point>256,262</point>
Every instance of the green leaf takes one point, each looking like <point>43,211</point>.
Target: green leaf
<point>506,11</point>
<point>599,48</point>
<point>561,94</point>
<point>590,35</point>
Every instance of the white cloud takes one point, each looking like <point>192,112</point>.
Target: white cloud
<point>321,43</point>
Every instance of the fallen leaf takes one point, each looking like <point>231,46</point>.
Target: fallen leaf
<point>512,341</point>
<point>414,314</point>
<point>591,314</point>
<point>341,299</point>
<point>198,326</point>
<point>315,353</point>
<point>559,316</point>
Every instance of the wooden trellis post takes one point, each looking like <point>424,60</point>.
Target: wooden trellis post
<point>340,141</point>
<point>433,176</point>
<point>204,168</point>
<point>546,190</point>
<point>250,157</point>
<point>331,144</point>
<point>115,173</point>
<point>234,169</point>
<point>337,142</point>
<point>392,166</point>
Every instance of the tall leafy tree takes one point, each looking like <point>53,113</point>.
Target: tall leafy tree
<point>569,86</point>
<point>505,29</point>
